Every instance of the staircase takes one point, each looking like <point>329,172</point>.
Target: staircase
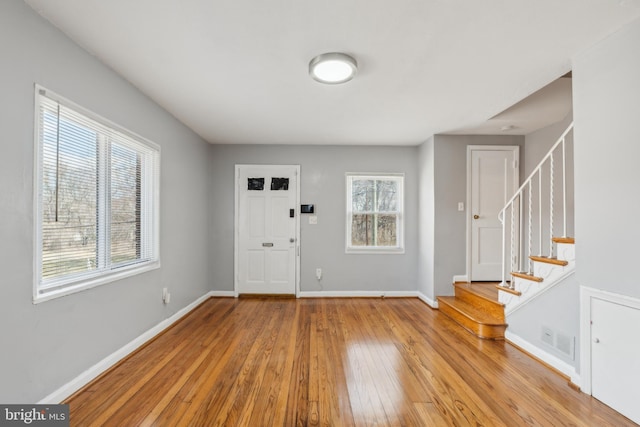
<point>546,272</point>
<point>532,262</point>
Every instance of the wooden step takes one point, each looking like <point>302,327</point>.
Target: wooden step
<point>569,240</point>
<point>483,296</point>
<point>547,260</point>
<point>527,276</point>
<point>473,319</point>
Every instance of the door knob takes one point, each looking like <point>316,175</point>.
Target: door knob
<point>476,216</point>
<point>596,340</point>
<point>291,240</point>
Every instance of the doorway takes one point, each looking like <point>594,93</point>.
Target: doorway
<point>267,229</point>
<point>492,178</point>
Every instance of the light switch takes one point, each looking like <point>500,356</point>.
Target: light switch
<point>313,219</point>
<point>460,206</point>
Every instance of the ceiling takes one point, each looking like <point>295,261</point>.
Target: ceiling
<point>542,108</point>
<point>236,71</point>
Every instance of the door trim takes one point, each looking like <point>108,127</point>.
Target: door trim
<point>236,230</point>
<point>468,213</point>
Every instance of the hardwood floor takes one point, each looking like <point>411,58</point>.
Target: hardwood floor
<point>330,362</point>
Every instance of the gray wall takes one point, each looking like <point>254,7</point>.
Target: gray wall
<point>560,307</point>
<point>47,345</point>
<point>537,144</point>
<point>450,187</point>
<point>606,99</point>
<point>322,183</point>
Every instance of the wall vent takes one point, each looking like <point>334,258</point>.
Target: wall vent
<point>547,336</point>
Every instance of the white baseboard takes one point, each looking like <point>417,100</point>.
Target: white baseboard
<point>431,303</point>
<point>231,294</point>
<point>357,294</point>
<point>547,358</point>
<point>93,372</point>
<point>461,279</point>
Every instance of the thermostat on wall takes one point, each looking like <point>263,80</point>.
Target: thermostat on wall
<point>308,209</point>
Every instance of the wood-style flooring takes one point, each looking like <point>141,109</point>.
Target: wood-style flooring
<point>330,362</point>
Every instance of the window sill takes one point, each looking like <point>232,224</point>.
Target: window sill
<point>42,295</point>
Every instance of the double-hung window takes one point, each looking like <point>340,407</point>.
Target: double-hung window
<point>375,216</point>
<point>97,189</point>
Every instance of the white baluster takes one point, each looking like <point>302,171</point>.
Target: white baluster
<point>521,232</point>
<point>501,217</point>
<point>530,227</point>
<point>564,189</point>
<point>551,206</point>
<point>513,238</point>
<point>540,212</point>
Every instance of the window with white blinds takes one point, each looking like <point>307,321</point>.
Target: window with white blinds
<point>97,199</point>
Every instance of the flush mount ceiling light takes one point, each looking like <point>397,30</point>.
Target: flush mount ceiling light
<point>333,68</point>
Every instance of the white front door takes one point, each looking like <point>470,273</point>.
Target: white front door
<point>615,356</point>
<point>494,177</point>
<point>267,227</point>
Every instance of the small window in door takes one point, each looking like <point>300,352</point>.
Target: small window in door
<point>278,184</point>
<point>255,184</point>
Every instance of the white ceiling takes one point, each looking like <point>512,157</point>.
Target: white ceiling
<point>236,71</point>
<point>546,106</point>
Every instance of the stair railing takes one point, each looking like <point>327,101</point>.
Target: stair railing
<point>528,202</point>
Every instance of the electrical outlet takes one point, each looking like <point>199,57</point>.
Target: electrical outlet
<point>166,296</point>
<point>319,273</point>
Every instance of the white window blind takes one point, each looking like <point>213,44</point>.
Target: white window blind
<point>97,198</point>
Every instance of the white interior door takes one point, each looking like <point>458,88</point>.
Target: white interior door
<point>615,356</point>
<point>493,180</point>
<point>266,229</point>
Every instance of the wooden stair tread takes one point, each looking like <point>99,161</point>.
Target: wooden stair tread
<point>483,290</point>
<point>569,240</point>
<point>547,260</point>
<point>527,276</point>
<point>470,311</point>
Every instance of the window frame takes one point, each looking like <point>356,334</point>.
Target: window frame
<point>352,249</point>
<point>44,290</point>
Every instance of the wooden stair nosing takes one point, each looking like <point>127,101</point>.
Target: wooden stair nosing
<point>567,240</point>
<point>547,260</point>
<point>508,290</point>
<point>467,316</point>
<point>527,276</point>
